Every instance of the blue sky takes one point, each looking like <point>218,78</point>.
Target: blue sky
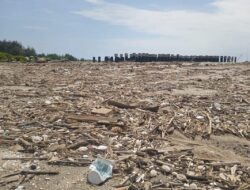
<point>87,28</point>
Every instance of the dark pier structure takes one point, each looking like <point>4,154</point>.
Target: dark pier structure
<point>146,57</point>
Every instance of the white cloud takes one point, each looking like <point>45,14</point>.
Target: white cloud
<point>224,30</point>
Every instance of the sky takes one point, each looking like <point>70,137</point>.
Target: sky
<point>86,28</point>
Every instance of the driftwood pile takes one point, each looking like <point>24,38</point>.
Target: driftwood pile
<point>72,113</point>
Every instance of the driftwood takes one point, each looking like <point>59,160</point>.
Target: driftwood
<point>95,119</point>
<point>39,172</point>
<point>26,172</point>
<point>127,106</point>
<point>70,163</point>
<point>24,142</point>
<point>210,123</point>
<point>24,158</point>
<point>122,188</point>
<point>3,183</point>
<point>198,178</point>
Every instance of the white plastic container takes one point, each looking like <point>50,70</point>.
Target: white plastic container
<point>100,171</point>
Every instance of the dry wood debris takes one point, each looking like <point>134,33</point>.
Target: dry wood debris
<point>67,114</point>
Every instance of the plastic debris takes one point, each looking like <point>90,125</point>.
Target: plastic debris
<point>100,171</point>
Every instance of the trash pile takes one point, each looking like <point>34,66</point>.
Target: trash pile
<point>149,124</point>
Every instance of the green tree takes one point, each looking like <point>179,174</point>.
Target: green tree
<point>30,52</point>
<point>41,55</point>
<point>5,57</point>
<point>70,57</point>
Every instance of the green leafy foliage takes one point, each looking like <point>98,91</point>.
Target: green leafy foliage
<point>21,59</point>
<point>5,57</point>
<point>61,57</point>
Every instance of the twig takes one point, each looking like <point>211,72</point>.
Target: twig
<point>169,124</point>
<point>26,172</point>
<point>210,123</point>
<point>24,158</point>
<point>3,183</point>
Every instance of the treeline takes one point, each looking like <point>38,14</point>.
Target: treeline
<point>15,51</point>
<point>15,48</point>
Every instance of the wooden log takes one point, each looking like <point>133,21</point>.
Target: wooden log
<point>70,163</point>
<point>127,106</point>
<point>95,119</point>
<point>198,178</point>
<point>24,142</point>
<point>24,158</point>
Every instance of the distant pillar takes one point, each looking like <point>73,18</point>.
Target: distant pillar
<point>94,60</point>
<point>121,57</point>
<point>225,59</point>
<point>138,57</point>
<point>106,59</point>
<point>135,57</point>
<point>99,59</point>
<point>116,58</point>
<point>216,59</point>
<point>168,57</point>
<point>126,56</point>
<point>111,59</point>
<point>171,57</point>
<point>235,59</point>
<point>155,57</point>
<point>177,57</point>
<point>221,59</point>
<point>144,57</point>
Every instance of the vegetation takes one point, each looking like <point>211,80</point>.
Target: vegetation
<point>53,56</point>
<point>16,48</point>
<point>8,58</point>
<point>15,51</point>
<point>5,57</point>
<point>70,57</point>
